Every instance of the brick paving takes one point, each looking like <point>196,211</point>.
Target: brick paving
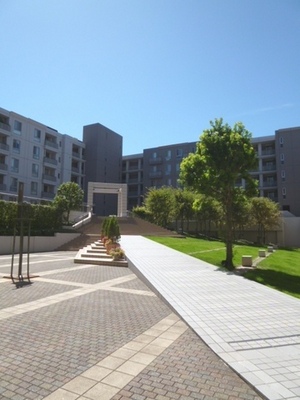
<point>76,320</point>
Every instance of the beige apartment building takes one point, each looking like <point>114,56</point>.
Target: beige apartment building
<point>37,155</point>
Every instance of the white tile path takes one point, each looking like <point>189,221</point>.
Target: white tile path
<point>254,329</point>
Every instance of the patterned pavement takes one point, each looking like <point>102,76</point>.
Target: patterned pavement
<point>94,332</point>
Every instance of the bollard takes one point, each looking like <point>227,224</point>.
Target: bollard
<point>247,261</point>
<point>262,253</point>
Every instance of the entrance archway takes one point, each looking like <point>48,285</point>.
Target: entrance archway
<point>120,189</point>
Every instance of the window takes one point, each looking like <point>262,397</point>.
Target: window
<point>283,191</point>
<point>282,158</point>
<point>35,170</point>
<point>16,146</point>
<point>34,188</point>
<point>179,153</point>
<point>37,135</point>
<point>283,175</point>
<point>177,167</point>
<point>13,184</point>
<point>169,154</point>
<point>154,155</point>
<point>281,141</point>
<point>168,169</point>
<point>17,127</point>
<point>36,152</point>
<point>14,165</point>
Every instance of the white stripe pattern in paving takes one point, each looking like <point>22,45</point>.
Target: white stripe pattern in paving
<point>255,329</point>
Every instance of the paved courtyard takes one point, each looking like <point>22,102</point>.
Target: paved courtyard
<point>95,332</point>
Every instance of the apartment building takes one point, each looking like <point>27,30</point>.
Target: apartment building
<point>278,171</point>
<point>37,155</point>
<point>42,158</point>
<point>133,176</point>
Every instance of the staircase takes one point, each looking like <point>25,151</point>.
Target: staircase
<point>128,226</point>
<point>96,254</point>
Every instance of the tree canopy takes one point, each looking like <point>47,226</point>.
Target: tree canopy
<point>69,197</point>
<point>265,214</point>
<point>223,156</point>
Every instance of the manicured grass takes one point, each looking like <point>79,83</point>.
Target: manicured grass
<point>280,270</point>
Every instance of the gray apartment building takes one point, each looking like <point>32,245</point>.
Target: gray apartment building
<point>43,158</point>
<point>278,171</point>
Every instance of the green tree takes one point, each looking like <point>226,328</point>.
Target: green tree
<point>207,211</point>
<point>223,155</point>
<point>183,206</point>
<point>160,204</point>
<point>265,214</point>
<point>69,197</point>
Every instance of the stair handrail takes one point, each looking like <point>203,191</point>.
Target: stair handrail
<point>83,219</point>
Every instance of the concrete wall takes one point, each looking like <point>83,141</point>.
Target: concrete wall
<point>37,243</point>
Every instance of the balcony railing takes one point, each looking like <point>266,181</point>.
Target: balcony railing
<point>156,174</point>
<point>52,161</point>
<point>48,195</point>
<point>157,160</point>
<point>269,167</point>
<point>4,126</point>
<point>13,188</point>
<point>49,178</point>
<point>51,144</point>
<point>3,167</point>
<point>4,146</point>
<point>270,184</point>
<point>76,154</point>
<point>269,152</point>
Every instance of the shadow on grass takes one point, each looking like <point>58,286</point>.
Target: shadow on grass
<point>286,283</point>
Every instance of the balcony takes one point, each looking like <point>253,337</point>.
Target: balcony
<point>3,186</point>
<point>4,146</point>
<point>269,184</point>
<point>51,161</point>
<point>3,167</point>
<point>51,143</point>
<point>155,174</point>
<point>155,161</point>
<point>76,154</point>
<point>269,167</point>
<point>13,189</point>
<point>268,152</point>
<point>5,127</point>
<point>133,194</point>
<point>51,178</point>
<point>48,195</point>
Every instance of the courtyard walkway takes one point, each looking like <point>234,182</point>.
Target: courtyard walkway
<point>254,329</point>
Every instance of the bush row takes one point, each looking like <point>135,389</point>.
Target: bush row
<point>43,220</point>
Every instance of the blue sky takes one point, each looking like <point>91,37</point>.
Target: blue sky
<point>154,71</point>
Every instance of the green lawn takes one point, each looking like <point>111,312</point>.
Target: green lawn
<point>280,270</point>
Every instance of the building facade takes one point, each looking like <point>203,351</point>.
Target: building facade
<point>42,158</point>
<point>37,155</point>
<point>103,151</point>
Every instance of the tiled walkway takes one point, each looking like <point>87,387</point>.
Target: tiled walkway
<point>88,332</point>
<point>254,329</point>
